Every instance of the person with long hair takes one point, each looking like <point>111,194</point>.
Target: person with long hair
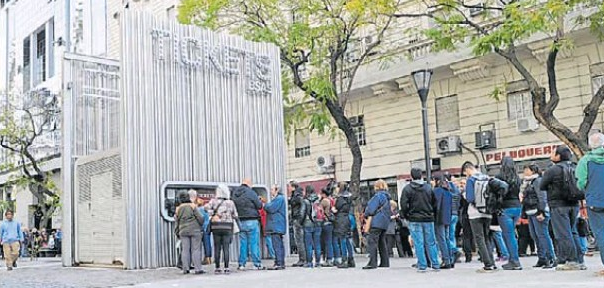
<point>224,216</point>
<point>534,202</point>
<point>511,211</point>
<point>378,215</point>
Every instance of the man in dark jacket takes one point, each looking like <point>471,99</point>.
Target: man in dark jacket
<point>590,177</point>
<point>296,203</point>
<point>418,206</point>
<point>342,231</point>
<point>564,211</point>
<point>378,208</point>
<point>248,203</point>
<point>276,225</point>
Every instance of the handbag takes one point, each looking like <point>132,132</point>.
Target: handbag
<point>236,228</point>
<point>219,226</point>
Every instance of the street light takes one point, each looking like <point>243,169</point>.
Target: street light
<point>422,79</point>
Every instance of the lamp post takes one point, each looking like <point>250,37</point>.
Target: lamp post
<point>422,79</point>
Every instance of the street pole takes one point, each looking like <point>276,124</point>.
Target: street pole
<point>426,137</point>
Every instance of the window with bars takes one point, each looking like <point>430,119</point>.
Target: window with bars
<point>358,125</point>
<point>597,82</point>
<point>302,143</point>
<point>38,56</point>
<point>447,114</point>
<point>520,105</point>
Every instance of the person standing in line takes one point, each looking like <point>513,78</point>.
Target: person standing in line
<point>11,238</point>
<point>276,225</point>
<point>534,202</point>
<point>512,210</point>
<point>223,218</point>
<point>189,223</point>
<point>248,204</point>
<point>455,210</point>
<point>393,238</point>
<point>442,220</point>
<point>268,240</point>
<point>298,210</point>
<point>418,205</point>
<point>342,229</point>
<point>590,178</point>
<point>378,215</point>
<point>312,228</point>
<point>206,243</point>
<point>479,221</point>
<point>564,210</point>
<point>327,229</point>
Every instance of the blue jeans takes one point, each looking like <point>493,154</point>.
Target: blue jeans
<point>507,221</point>
<point>312,239</point>
<point>497,240</point>
<point>207,244</point>
<point>268,242</point>
<point>344,248</point>
<point>249,238</point>
<point>452,240</point>
<point>564,224</point>
<point>540,233</point>
<point>423,238</point>
<point>277,243</point>
<point>596,220</point>
<point>327,234</point>
<point>442,238</point>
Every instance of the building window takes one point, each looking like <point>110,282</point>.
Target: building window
<point>27,63</point>
<point>520,105</point>
<point>302,143</point>
<point>596,83</point>
<point>358,125</point>
<point>447,114</point>
<point>40,59</point>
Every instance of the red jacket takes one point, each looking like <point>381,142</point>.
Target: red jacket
<point>262,220</point>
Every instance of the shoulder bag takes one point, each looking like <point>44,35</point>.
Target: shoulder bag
<point>216,225</point>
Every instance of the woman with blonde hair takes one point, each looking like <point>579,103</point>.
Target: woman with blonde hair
<point>223,218</point>
<point>378,214</point>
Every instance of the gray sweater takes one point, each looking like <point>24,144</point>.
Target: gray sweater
<point>189,221</point>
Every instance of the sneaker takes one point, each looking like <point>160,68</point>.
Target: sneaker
<point>308,265</point>
<point>541,264</point>
<point>275,268</point>
<point>446,267</point>
<point>422,270</point>
<point>512,266</point>
<point>414,265</point>
<point>15,264</point>
<point>327,264</point>
<point>241,268</point>
<point>259,268</point>
<point>549,265</point>
<point>200,272</point>
<point>9,268</point>
<point>218,271</point>
<point>582,267</point>
<point>488,269</point>
<point>227,271</point>
<point>569,266</point>
<point>298,264</point>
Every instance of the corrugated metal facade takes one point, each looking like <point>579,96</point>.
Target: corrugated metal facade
<point>196,106</point>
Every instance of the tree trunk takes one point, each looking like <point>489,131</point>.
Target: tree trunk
<point>47,215</point>
<point>355,149</point>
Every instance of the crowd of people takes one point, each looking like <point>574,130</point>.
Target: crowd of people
<point>500,217</point>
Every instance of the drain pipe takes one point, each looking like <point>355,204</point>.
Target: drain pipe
<point>7,67</point>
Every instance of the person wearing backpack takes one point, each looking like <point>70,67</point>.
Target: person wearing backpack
<point>560,184</point>
<point>590,177</point>
<point>378,215</point>
<point>298,213</point>
<point>328,219</point>
<point>511,209</point>
<point>418,205</point>
<point>312,228</point>
<point>479,212</point>
<point>534,204</point>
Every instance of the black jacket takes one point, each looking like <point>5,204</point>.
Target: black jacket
<point>247,203</point>
<point>557,189</point>
<point>343,205</point>
<point>418,203</point>
<point>511,198</point>
<point>298,209</point>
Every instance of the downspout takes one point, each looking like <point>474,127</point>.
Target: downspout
<point>7,67</point>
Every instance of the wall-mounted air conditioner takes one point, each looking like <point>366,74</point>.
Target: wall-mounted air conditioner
<point>326,164</point>
<point>485,139</point>
<point>447,145</point>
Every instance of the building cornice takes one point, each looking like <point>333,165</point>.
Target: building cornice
<point>470,70</point>
<point>541,50</point>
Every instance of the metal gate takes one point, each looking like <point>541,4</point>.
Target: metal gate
<point>91,103</point>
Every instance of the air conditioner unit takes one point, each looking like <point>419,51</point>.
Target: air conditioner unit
<point>326,164</point>
<point>448,145</point>
<point>527,124</point>
<point>485,140</point>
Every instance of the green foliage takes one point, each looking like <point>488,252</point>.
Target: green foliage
<point>313,37</point>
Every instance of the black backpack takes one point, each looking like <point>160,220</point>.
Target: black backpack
<point>531,199</point>
<point>574,193</point>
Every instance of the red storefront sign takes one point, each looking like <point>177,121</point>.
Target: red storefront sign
<point>521,153</point>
